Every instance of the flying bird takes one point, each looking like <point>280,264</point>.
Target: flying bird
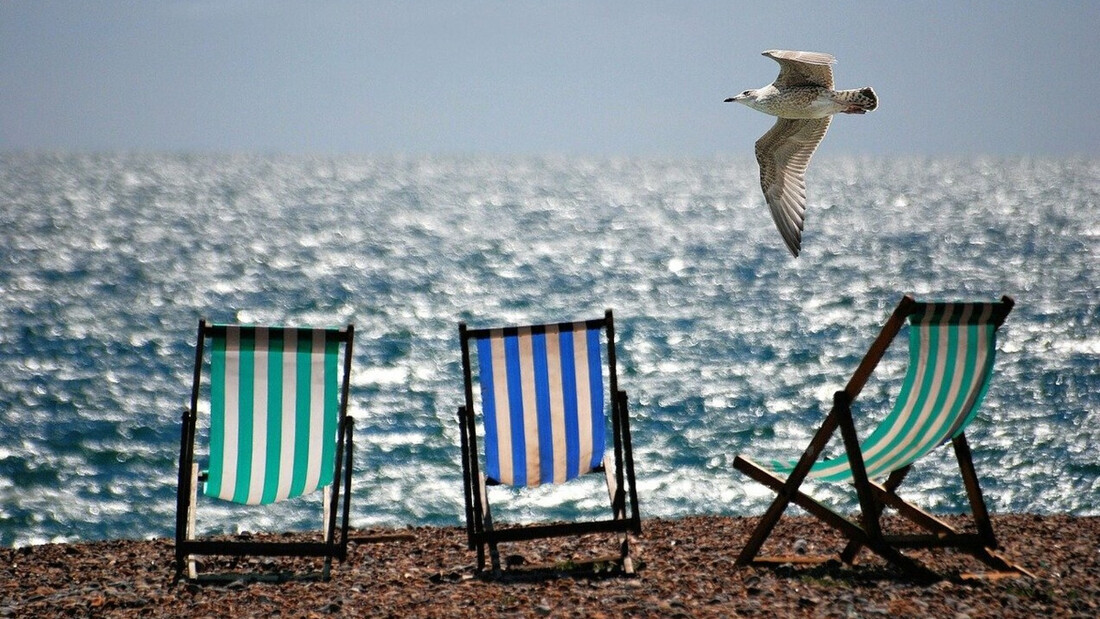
<point>804,100</point>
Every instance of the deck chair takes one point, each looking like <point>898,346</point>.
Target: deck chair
<point>951,352</point>
<point>544,413</point>
<point>278,430</point>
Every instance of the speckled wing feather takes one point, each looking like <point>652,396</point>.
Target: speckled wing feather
<point>783,154</point>
<point>802,68</point>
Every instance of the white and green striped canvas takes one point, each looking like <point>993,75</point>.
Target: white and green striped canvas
<point>274,408</point>
<point>951,352</point>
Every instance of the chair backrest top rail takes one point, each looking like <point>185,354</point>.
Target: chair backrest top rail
<point>511,331</point>
<point>340,334</point>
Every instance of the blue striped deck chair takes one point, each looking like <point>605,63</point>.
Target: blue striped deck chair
<point>951,351</point>
<point>543,406</point>
<point>278,430</point>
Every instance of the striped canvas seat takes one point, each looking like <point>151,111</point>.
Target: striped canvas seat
<point>951,351</point>
<point>542,398</point>
<point>546,394</point>
<point>278,429</point>
<point>274,409</point>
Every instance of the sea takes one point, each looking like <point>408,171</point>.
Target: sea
<point>727,344</point>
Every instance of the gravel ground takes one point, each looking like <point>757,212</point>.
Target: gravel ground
<point>685,570</point>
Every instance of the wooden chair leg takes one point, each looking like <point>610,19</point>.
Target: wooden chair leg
<point>981,513</point>
<point>848,555</point>
<point>973,490</point>
<point>786,490</point>
<point>326,531</point>
<point>628,460</point>
<point>475,523</point>
<point>326,512</point>
<point>867,503</point>
<point>192,568</point>
<point>617,496</point>
<point>487,531</point>
<point>764,526</point>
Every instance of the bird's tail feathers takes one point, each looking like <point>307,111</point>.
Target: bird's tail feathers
<point>859,100</point>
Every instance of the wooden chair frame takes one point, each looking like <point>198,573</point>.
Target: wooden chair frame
<point>336,499</point>
<point>483,534</point>
<point>873,497</point>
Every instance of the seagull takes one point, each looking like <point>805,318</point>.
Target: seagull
<point>804,100</point>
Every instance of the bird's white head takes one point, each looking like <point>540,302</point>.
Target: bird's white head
<point>746,97</point>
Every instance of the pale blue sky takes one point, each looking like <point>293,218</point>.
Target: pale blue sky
<point>571,77</point>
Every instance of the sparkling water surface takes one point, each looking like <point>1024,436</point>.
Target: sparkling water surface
<point>727,344</point>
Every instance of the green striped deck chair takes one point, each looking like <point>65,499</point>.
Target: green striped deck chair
<point>545,406</point>
<point>951,351</point>
<point>278,430</point>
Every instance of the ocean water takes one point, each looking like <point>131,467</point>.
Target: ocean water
<point>727,344</point>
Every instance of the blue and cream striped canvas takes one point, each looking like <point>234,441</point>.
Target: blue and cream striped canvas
<point>274,413</point>
<point>951,352</point>
<point>542,395</point>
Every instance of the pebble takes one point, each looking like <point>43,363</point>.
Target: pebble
<point>431,574</point>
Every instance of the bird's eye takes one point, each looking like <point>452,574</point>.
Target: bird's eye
<point>746,92</point>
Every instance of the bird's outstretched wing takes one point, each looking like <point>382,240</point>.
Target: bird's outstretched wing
<point>784,154</point>
<point>802,68</point>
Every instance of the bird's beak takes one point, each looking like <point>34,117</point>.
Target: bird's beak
<point>733,99</point>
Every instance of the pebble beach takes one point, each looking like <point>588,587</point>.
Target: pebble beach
<point>685,568</point>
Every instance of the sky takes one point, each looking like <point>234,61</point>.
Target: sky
<point>571,77</point>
